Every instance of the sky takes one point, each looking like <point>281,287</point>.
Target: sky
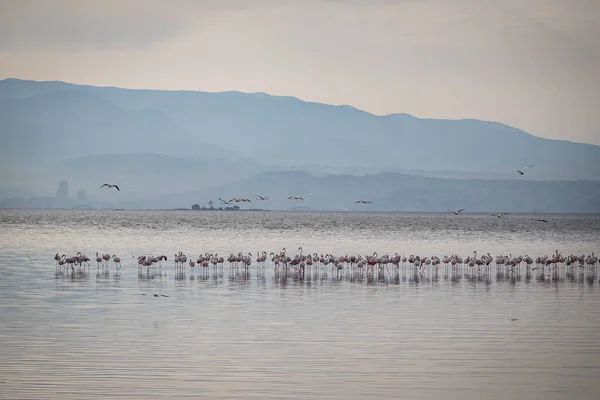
<point>530,64</point>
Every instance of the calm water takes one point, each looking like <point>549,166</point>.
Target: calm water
<point>261,336</point>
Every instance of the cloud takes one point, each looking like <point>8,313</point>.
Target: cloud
<point>531,64</point>
<point>74,25</point>
<point>137,24</point>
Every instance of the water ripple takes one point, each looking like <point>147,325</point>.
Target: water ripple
<point>221,337</point>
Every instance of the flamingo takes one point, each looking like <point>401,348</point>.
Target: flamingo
<point>62,261</point>
<point>82,258</point>
<point>500,215</point>
<point>261,197</point>
<point>363,202</point>
<point>110,186</point>
<point>240,200</point>
<point>295,198</point>
<point>247,260</point>
<point>456,212</point>
<point>592,260</point>
<point>117,261</point>
<point>522,170</point>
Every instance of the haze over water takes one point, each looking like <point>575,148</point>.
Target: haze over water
<point>232,336</point>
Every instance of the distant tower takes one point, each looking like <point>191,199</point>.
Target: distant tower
<point>81,197</point>
<point>63,190</point>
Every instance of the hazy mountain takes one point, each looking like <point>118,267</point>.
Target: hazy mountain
<point>39,132</point>
<point>400,192</point>
<point>79,123</point>
<point>288,132</point>
<point>172,149</point>
<point>145,176</point>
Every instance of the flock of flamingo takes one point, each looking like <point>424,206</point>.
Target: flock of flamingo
<point>79,260</point>
<point>301,263</point>
<point>264,198</point>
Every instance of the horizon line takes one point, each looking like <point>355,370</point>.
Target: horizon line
<point>298,211</point>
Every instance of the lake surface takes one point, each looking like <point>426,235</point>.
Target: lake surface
<point>228,334</point>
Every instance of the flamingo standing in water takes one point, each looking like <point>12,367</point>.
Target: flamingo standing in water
<point>82,258</point>
<point>592,260</point>
<point>247,260</point>
<point>117,261</point>
<point>99,261</point>
<point>61,262</point>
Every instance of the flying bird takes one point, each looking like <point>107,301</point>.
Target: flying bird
<point>522,170</point>
<point>261,197</point>
<point>223,201</point>
<point>539,220</point>
<point>240,200</point>
<point>110,186</point>
<point>295,198</point>
<point>499,215</point>
<point>363,202</point>
<point>456,212</point>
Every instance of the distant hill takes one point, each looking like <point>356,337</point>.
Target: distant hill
<point>67,123</point>
<point>40,131</point>
<point>280,131</point>
<point>148,175</point>
<point>400,192</point>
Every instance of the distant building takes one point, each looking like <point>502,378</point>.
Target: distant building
<point>81,197</point>
<point>63,190</point>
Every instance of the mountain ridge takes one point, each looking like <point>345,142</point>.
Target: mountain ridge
<point>280,132</point>
<point>274,96</point>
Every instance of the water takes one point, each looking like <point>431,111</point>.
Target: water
<point>262,336</point>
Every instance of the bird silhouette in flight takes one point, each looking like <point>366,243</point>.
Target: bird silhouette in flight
<point>240,200</point>
<point>110,186</point>
<point>456,212</point>
<point>295,198</point>
<point>522,170</point>
<point>363,202</point>
<point>261,197</point>
<point>499,215</point>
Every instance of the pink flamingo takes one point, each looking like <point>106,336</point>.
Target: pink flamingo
<point>456,212</point>
<point>117,261</point>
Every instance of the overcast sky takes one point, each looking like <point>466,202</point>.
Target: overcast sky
<point>533,64</point>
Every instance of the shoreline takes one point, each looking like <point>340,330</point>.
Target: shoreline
<point>294,211</point>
